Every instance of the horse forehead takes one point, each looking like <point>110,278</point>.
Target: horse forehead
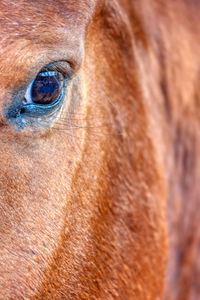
<point>22,15</point>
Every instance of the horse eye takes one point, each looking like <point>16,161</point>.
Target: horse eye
<point>45,88</point>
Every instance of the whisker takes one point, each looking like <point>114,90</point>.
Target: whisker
<point>74,140</point>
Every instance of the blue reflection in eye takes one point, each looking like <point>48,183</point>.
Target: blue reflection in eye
<point>45,89</point>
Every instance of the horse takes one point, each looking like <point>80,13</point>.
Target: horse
<point>99,143</point>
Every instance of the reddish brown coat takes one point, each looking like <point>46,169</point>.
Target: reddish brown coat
<point>83,202</point>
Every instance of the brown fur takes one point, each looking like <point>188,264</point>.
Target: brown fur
<point>83,207</point>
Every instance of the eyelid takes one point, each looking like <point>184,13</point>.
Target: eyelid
<point>61,66</point>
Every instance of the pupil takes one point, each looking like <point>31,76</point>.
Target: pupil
<point>47,88</point>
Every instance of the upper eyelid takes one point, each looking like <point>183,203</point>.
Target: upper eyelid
<point>61,66</point>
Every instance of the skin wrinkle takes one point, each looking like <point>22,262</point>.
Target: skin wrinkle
<point>83,213</point>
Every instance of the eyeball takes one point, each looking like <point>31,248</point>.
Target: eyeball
<point>45,88</point>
